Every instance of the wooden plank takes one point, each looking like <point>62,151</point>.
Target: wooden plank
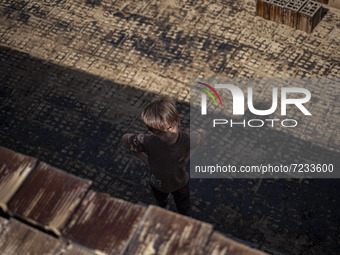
<point>104,223</point>
<point>14,168</point>
<point>165,232</point>
<point>220,245</point>
<point>18,238</point>
<point>49,197</point>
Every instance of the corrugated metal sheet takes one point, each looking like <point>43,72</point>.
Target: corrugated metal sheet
<point>104,223</point>
<point>3,223</point>
<point>14,168</point>
<point>49,197</point>
<point>18,238</point>
<point>220,245</point>
<point>100,225</point>
<point>73,249</point>
<point>164,232</point>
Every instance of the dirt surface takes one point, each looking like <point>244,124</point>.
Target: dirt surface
<point>74,76</point>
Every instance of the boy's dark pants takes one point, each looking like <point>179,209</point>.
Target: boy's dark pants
<point>181,197</point>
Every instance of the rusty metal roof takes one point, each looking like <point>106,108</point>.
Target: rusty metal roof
<point>114,220</point>
<point>164,232</point>
<point>14,168</point>
<point>49,197</point>
<point>18,238</point>
<point>88,222</point>
<point>218,244</point>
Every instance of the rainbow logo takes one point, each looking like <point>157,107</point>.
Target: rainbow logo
<point>204,97</point>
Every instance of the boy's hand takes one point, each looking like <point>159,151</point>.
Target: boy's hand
<point>134,143</point>
<point>127,140</point>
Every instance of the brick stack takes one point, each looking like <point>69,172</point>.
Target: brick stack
<point>276,10</point>
<point>291,12</point>
<point>262,8</point>
<point>309,16</point>
<point>299,14</point>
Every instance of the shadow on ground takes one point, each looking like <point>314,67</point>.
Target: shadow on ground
<point>74,121</point>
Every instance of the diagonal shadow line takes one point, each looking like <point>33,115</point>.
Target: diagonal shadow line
<point>74,120</point>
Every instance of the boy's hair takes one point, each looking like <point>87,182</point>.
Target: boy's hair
<point>160,113</point>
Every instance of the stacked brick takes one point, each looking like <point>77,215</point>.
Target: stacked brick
<point>299,14</point>
<point>310,16</point>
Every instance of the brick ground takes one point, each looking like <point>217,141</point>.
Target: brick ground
<point>75,75</point>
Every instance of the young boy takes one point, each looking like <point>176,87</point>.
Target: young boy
<point>166,152</point>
